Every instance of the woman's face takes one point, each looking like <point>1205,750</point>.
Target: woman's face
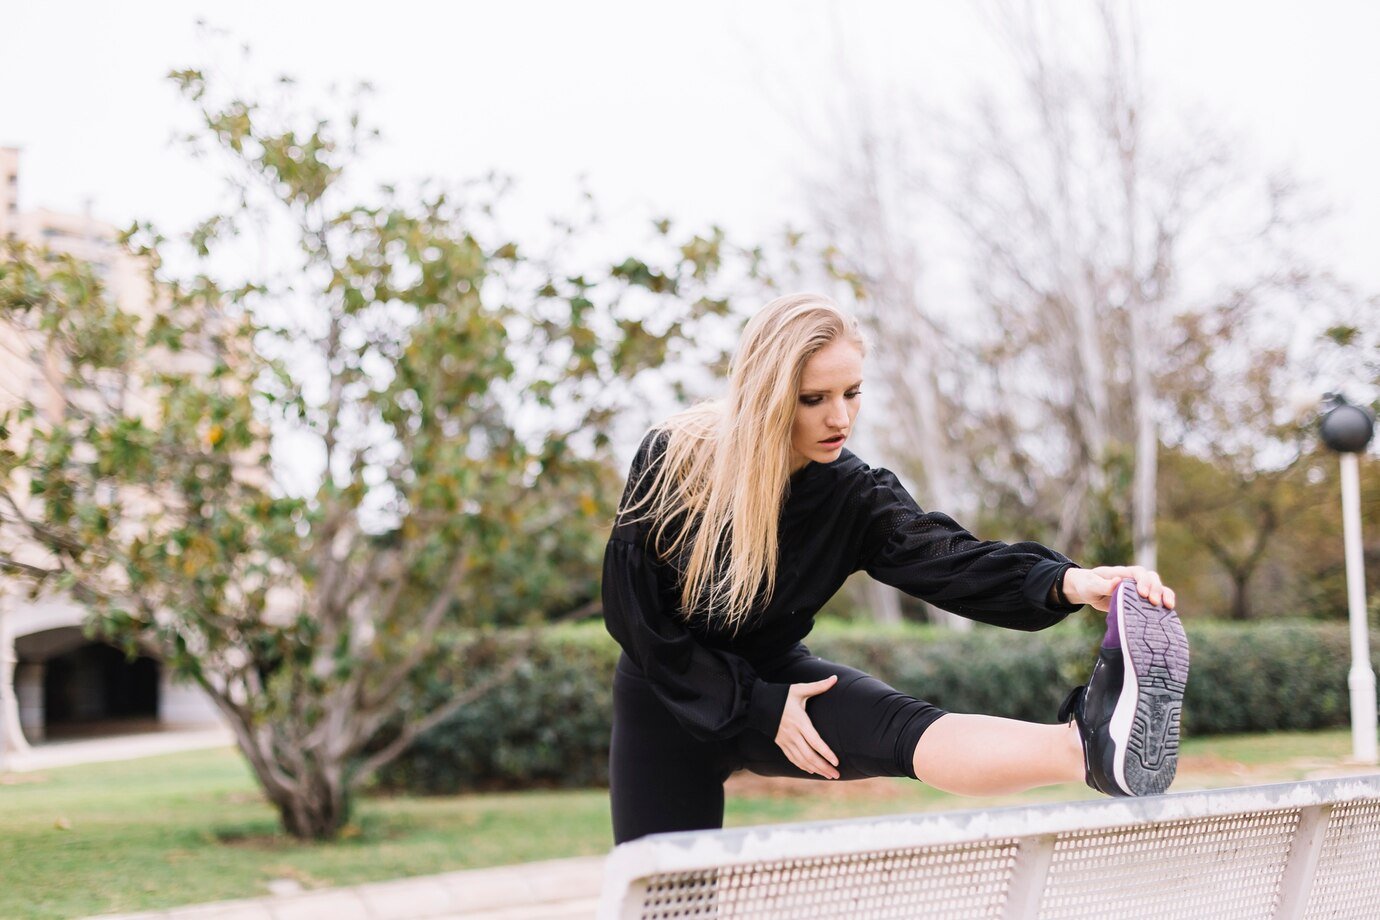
<point>828,401</point>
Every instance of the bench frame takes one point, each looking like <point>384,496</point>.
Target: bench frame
<point>696,858</point>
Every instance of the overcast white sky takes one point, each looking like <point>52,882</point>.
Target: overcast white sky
<point>688,110</point>
<point>681,108</point>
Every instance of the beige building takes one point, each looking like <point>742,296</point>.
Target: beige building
<point>54,682</point>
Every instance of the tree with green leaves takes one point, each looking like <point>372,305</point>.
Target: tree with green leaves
<point>448,397</point>
<point>1249,491</point>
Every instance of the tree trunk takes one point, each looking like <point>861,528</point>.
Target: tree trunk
<point>1146,471</point>
<point>319,814</point>
<point>1124,127</point>
<point>883,601</point>
<point>313,801</point>
<point>310,795</point>
<point>1240,607</point>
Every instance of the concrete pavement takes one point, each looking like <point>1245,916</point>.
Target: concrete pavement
<point>554,889</point>
<point>51,754</point>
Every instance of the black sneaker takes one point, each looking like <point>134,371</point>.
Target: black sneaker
<point>1099,695</point>
<point>1128,714</point>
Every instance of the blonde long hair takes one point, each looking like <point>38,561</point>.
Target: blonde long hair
<point>727,461</point>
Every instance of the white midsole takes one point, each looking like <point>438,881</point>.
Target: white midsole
<point>1125,713</point>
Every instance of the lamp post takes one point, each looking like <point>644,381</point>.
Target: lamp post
<point>1347,429</point>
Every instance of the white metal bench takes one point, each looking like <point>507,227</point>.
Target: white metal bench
<point>1307,849</point>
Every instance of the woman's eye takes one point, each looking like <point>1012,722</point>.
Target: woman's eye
<point>814,400</point>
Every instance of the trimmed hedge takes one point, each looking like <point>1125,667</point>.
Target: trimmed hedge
<point>549,725</point>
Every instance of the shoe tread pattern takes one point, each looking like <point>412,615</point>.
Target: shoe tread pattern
<point>1158,651</point>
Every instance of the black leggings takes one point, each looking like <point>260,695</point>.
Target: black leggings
<point>661,778</point>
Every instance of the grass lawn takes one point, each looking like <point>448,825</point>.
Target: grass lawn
<point>192,827</point>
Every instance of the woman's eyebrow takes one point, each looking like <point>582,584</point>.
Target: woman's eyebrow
<point>818,392</point>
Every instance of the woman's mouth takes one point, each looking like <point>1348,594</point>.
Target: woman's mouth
<point>833,442</point>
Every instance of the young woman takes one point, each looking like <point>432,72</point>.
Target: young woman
<point>743,516</point>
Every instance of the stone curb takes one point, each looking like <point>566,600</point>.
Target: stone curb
<point>551,888</point>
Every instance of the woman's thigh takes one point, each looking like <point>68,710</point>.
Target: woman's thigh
<point>661,778</point>
<point>870,726</point>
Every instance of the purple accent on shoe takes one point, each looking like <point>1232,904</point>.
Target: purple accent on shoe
<point>1113,637</point>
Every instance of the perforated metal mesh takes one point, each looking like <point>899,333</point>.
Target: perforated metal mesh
<point>1303,849</point>
<point>967,880</point>
<point>1223,867</point>
<point>1348,873</point>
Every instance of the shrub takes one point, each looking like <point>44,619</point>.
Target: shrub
<point>549,724</point>
<point>1268,676</point>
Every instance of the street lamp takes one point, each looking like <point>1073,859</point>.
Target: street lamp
<point>1347,429</point>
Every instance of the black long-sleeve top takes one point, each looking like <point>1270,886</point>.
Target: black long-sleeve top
<point>836,518</point>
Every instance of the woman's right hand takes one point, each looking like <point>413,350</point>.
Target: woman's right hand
<point>797,736</point>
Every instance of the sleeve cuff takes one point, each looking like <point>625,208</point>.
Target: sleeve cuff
<point>765,708</point>
<point>1040,581</point>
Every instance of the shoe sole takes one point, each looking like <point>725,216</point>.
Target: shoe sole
<point>1145,724</point>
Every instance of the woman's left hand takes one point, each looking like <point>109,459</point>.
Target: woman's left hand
<point>1094,586</point>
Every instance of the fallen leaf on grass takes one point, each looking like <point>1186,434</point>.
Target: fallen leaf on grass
<point>283,871</point>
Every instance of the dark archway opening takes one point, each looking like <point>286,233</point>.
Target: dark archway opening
<point>95,689</point>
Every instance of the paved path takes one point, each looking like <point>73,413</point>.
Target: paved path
<point>555,889</point>
<point>114,747</point>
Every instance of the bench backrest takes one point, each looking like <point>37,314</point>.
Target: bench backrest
<point>1309,849</point>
